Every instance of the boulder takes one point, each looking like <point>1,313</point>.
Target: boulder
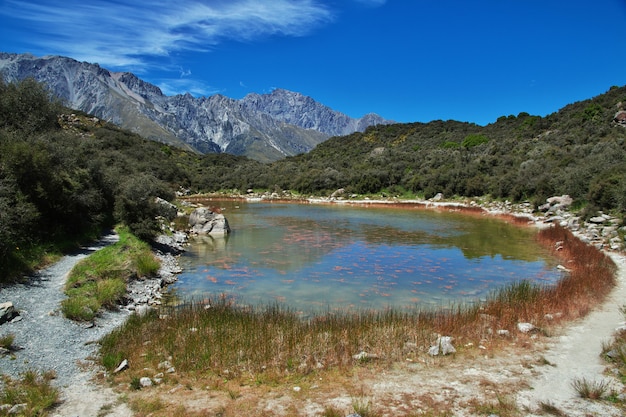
<point>7,312</point>
<point>206,222</point>
<point>166,209</point>
<point>557,204</point>
<point>442,346</point>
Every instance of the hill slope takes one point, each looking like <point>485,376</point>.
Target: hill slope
<point>264,127</point>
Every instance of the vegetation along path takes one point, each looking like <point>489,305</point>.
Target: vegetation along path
<point>47,341</point>
<point>50,342</point>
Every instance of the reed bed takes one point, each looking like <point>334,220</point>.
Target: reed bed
<point>218,338</point>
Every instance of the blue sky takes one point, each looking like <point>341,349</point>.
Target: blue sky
<point>410,60</point>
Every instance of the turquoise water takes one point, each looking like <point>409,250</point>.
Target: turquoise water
<point>319,257</point>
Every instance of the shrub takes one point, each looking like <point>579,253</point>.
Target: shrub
<point>474,140</point>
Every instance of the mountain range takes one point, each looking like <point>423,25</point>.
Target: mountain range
<point>265,127</point>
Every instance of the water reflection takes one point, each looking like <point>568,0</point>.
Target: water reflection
<point>313,257</point>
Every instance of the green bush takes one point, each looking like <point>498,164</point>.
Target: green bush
<point>474,140</point>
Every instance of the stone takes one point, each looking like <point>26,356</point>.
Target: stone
<point>525,327</point>
<point>443,346</point>
<point>17,409</point>
<point>361,356</point>
<point>620,118</point>
<point>145,382</point>
<point>206,222</point>
<point>7,312</point>
<point>122,366</point>
<point>166,209</point>
<point>564,200</point>
<point>597,220</point>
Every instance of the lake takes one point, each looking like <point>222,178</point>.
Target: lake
<point>316,258</point>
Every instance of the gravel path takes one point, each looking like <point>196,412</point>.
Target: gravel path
<point>48,341</point>
<point>576,355</point>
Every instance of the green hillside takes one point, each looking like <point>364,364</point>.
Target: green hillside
<point>579,150</point>
<point>65,178</point>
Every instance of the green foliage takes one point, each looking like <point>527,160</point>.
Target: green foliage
<point>450,145</point>
<point>6,341</point>
<point>99,281</point>
<point>65,184</point>
<point>592,113</point>
<point>136,206</point>
<point>33,389</point>
<point>474,140</point>
<point>27,107</point>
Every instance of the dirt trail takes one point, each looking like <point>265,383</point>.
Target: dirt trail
<point>576,355</point>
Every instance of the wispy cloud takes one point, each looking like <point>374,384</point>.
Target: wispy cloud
<point>173,86</point>
<point>127,34</point>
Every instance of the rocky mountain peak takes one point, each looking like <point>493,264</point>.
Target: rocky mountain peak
<point>261,126</point>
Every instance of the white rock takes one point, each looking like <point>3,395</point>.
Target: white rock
<point>145,382</point>
<point>525,327</point>
<point>443,346</point>
<point>123,365</point>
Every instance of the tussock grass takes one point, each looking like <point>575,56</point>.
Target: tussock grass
<point>32,389</point>
<point>592,390</point>
<point>6,341</point>
<point>215,338</point>
<point>504,406</point>
<point>99,281</point>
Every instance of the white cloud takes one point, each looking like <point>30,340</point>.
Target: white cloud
<point>120,34</point>
<point>196,88</point>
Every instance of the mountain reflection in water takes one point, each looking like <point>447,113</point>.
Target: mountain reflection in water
<point>320,257</point>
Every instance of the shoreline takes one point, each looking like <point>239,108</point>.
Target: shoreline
<point>519,373</point>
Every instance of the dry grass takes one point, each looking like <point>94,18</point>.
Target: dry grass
<point>32,394</point>
<point>216,344</point>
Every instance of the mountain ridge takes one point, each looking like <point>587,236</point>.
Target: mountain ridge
<point>265,127</point>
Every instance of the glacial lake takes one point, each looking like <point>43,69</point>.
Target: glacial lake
<point>317,258</point>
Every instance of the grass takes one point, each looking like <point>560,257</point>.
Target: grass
<point>32,389</point>
<point>6,341</point>
<point>591,390</point>
<point>273,345</point>
<point>364,408</point>
<point>504,406</point>
<point>99,281</point>
<point>551,409</point>
<point>615,353</point>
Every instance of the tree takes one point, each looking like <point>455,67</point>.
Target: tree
<point>28,107</point>
<point>136,206</point>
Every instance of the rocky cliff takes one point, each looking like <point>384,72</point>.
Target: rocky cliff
<point>266,127</point>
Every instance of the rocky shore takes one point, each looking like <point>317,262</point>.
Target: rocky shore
<point>45,340</point>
